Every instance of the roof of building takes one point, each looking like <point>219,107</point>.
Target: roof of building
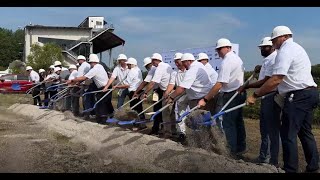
<point>56,27</point>
<point>105,41</point>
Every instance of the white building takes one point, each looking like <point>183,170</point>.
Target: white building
<point>93,35</point>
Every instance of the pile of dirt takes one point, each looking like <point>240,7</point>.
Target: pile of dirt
<point>210,138</point>
<point>126,115</point>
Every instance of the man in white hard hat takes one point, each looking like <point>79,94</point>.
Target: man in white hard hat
<point>120,72</point>
<point>230,78</point>
<point>292,77</point>
<point>269,110</point>
<point>170,116</point>
<point>147,63</point>
<point>100,78</point>
<point>204,59</point>
<point>35,78</point>
<point>196,81</point>
<point>69,100</point>
<point>158,84</point>
<point>64,74</point>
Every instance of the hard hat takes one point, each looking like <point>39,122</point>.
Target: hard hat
<point>132,61</point>
<point>29,68</point>
<point>77,64</point>
<point>93,58</point>
<point>57,63</point>
<point>72,66</point>
<point>41,70</point>
<point>202,56</point>
<point>51,67</point>
<point>80,57</point>
<point>57,69</point>
<point>266,41</point>
<point>187,56</point>
<point>223,43</point>
<point>177,56</point>
<point>280,31</point>
<point>147,61</point>
<point>156,56</point>
<point>122,57</point>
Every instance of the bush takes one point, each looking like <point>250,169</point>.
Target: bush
<point>17,67</point>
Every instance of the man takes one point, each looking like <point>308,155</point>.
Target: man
<point>133,80</point>
<point>204,59</point>
<point>230,78</point>
<point>100,78</point>
<point>70,99</point>
<point>120,72</point>
<point>292,77</point>
<point>64,71</point>
<point>196,81</point>
<point>158,83</point>
<point>53,79</point>
<point>269,110</point>
<point>88,100</point>
<point>181,104</point>
<point>35,78</point>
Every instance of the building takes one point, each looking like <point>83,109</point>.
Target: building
<point>93,35</point>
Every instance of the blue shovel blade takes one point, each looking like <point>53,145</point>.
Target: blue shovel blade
<point>43,107</point>
<point>112,120</point>
<point>206,123</point>
<point>88,110</point>
<point>206,117</point>
<point>140,122</point>
<point>126,122</point>
<point>16,87</point>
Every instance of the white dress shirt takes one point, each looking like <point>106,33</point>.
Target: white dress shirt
<point>120,73</point>
<point>34,76</point>
<point>212,73</point>
<point>73,75</point>
<point>134,78</point>
<point>99,75</point>
<point>267,65</point>
<point>177,77</point>
<point>83,69</point>
<point>162,75</point>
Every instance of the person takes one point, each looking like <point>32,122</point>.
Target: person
<point>293,79</point>
<point>120,72</point>
<point>47,84</point>
<point>196,82</point>
<point>53,79</point>
<point>35,78</point>
<point>70,99</point>
<point>88,100</point>
<point>170,116</point>
<point>269,110</point>
<point>42,75</point>
<point>64,74</point>
<point>158,84</point>
<point>230,78</point>
<point>100,77</point>
<point>204,59</point>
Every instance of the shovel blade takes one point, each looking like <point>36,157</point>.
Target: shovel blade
<point>43,107</point>
<point>112,120</point>
<point>126,122</point>
<point>88,110</point>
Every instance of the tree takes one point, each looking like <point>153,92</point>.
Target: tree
<point>41,57</point>
<point>11,46</point>
<point>17,67</point>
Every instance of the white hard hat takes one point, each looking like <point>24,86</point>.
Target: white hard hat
<point>156,56</point>
<point>132,61</point>
<point>223,43</point>
<point>177,56</point>
<point>29,68</point>
<point>72,66</point>
<point>202,56</point>
<point>147,61</point>
<point>51,67</point>
<point>57,63</point>
<point>280,31</point>
<point>77,64</point>
<point>57,69</point>
<point>93,58</point>
<point>41,70</point>
<point>122,57</point>
<point>266,41</point>
<point>80,57</point>
<point>187,56</point>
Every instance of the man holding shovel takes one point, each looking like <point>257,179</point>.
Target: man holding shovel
<point>100,78</point>
<point>230,78</point>
<point>292,77</point>
<point>269,110</point>
<point>35,78</point>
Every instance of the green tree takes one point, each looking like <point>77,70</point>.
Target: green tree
<point>11,46</point>
<point>41,57</point>
<point>17,67</point>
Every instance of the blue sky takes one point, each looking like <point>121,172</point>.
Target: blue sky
<point>147,30</point>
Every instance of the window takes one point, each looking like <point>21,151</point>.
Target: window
<point>22,77</point>
<point>8,78</point>
<point>99,23</point>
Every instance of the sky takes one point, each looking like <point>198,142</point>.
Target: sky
<point>147,30</point>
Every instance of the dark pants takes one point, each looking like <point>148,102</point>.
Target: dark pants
<point>233,124</point>
<point>104,107</point>
<point>139,107</point>
<point>158,118</point>
<point>296,120</point>
<point>75,100</point>
<point>46,96</point>
<point>269,129</point>
<point>36,100</point>
<point>122,97</point>
<point>89,100</point>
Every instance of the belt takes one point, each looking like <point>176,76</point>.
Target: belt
<point>307,88</point>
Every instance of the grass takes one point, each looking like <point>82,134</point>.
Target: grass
<point>251,124</point>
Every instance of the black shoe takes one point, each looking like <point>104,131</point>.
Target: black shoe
<point>182,138</point>
<point>152,132</point>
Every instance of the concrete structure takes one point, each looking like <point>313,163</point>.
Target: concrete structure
<point>93,35</point>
